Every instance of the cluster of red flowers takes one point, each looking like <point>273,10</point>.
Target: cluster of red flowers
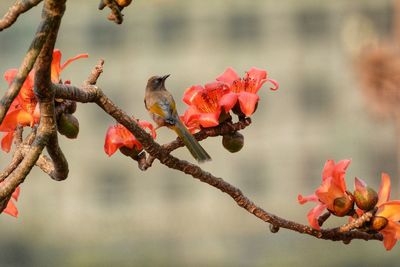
<point>24,110</point>
<point>211,104</point>
<point>208,106</point>
<point>334,197</point>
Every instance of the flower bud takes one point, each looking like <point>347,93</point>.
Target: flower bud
<point>343,205</point>
<point>233,142</point>
<point>68,125</point>
<point>123,3</point>
<point>365,197</point>
<point>273,228</point>
<point>378,223</point>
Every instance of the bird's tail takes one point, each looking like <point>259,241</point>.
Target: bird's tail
<point>190,142</point>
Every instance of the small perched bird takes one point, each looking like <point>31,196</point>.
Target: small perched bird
<point>161,106</point>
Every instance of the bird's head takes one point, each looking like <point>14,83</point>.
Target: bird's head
<point>156,82</point>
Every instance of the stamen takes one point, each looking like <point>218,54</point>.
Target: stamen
<point>274,83</point>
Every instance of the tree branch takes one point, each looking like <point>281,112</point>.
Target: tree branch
<point>53,11</point>
<point>94,94</point>
<point>115,14</point>
<point>45,94</point>
<point>26,66</point>
<point>222,129</point>
<point>19,7</point>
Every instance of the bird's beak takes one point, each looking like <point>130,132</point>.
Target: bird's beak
<point>165,77</point>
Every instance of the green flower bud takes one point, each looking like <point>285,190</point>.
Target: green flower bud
<point>233,142</point>
<point>366,200</point>
<point>365,197</point>
<point>343,205</point>
<point>378,223</point>
<point>68,125</point>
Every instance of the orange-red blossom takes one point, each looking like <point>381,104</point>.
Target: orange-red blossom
<point>332,195</point>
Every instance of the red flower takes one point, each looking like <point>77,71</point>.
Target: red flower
<point>331,195</point>
<point>57,67</point>
<point>11,209</point>
<point>23,110</point>
<point>204,105</point>
<point>389,213</point>
<point>118,136</point>
<point>244,90</point>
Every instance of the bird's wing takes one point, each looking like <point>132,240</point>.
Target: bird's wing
<point>165,108</point>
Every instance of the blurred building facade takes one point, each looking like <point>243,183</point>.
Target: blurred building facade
<point>108,212</point>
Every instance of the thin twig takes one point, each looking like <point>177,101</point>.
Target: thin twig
<point>222,129</point>
<point>115,14</point>
<point>357,223</point>
<point>15,161</point>
<point>19,7</point>
<point>323,218</point>
<point>95,73</point>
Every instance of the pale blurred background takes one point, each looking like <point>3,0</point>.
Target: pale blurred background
<point>109,213</point>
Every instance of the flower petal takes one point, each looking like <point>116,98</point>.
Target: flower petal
<point>56,66</point>
<point>328,192</point>
<point>259,75</point>
<point>6,141</point>
<point>11,209</point>
<point>117,136</point>
<point>248,102</point>
<point>384,189</point>
<point>327,171</point>
<point>360,185</point>
<point>304,199</point>
<point>26,93</point>
<point>228,101</point>
<point>390,210</point>
<point>15,118</point>
<point>342,165</point>
<point>191,119</point>
<point>209,119</point>
<point>9,75</point>
<point>15,194</point>
<point>338,173</point>
<point>190,93</point>
<point>229,76</point>
<point>314,214</point>
<point>148,125</point>
<point>256,73</point>
<point>390,234</point>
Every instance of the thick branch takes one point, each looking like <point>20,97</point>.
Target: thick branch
<point>45,94</point>
<point>26,66</point>
<point>22,149</point>
<point>15,161</point>
<point>52,14</point>
<point>59,162</point>
<point>94,94</point>
<point>18,175</point>
<point>19,7</point>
